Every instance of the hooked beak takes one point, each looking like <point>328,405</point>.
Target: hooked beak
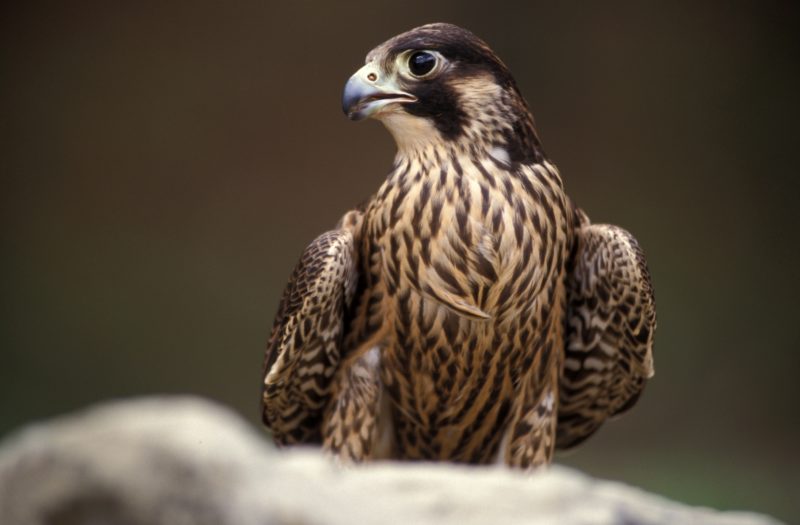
<point>367,92</point>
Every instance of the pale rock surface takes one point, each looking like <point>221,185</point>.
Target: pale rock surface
<point>176,461</point>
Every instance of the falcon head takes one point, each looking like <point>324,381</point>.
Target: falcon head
<point>438,84</point>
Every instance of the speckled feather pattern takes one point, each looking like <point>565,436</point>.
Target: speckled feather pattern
<point>468,311</point>
<point>612,321</point>
<point>304,348</point>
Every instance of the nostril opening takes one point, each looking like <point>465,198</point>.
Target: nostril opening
<point>372,77</point>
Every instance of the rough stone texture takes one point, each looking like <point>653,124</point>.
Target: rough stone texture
<point>176,461</point>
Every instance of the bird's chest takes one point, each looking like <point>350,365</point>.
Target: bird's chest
<point>465,258</point>
<point>481,244</point>
<point>462,249</point>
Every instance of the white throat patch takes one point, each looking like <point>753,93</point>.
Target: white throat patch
<point>411,133</point>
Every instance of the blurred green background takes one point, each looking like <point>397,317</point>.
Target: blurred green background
<point>164,164</point>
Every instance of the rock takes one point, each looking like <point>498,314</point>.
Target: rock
<point>175,461</point>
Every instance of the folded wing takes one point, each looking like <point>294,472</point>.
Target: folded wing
<point>611,320</point>
<point>304,349</point>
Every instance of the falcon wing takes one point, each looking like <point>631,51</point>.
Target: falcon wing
<point>611,319</point>
<point>304,348</point>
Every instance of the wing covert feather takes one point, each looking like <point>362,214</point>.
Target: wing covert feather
<point>611,320</point>
<point>304,348</point>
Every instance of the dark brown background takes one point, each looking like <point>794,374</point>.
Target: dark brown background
<point>164,165</point>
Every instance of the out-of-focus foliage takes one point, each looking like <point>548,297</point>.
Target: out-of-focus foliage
<point>164,165</point>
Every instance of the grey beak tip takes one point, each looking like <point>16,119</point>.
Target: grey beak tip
<point>353,93</point>
<point>346,109</point>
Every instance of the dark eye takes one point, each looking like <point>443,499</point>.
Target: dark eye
<point>421,63</point>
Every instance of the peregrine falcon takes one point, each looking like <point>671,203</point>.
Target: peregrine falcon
<point>467,311</point>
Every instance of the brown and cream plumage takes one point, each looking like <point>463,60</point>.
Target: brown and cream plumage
<point>468,311</point>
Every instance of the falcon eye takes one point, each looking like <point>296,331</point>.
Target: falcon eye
<point>421,63</point>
